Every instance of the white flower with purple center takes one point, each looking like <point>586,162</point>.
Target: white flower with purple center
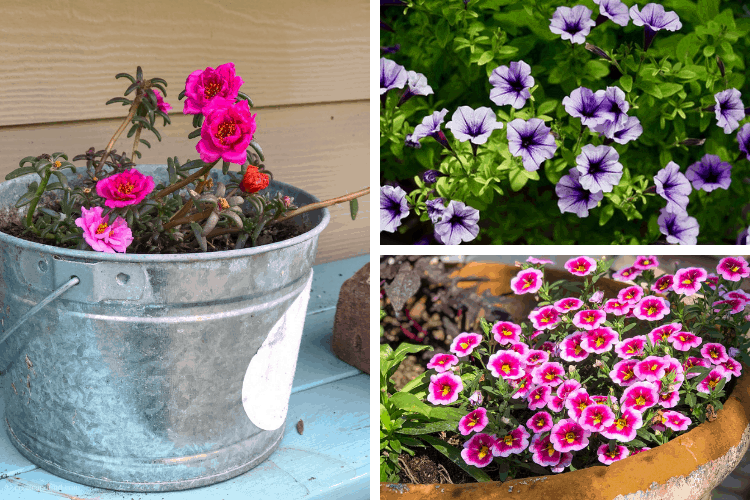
<point>568,435</point>
<point>614,109</point>
<point>687,281</point>
<point>630,295</point>
<point>539,397</point>
<point>540,421</point>
<point>616,308</point>
<point>506,332</point>
<point>464,344</point>
<point>458,223</point>
<point>444,388</point>
<point>506,364</point>
<point>574,197</point>
<point>417,85</point>
<point>567,304</point>
<point>510,85</point>
<point>653,18</point>
<point>577,401</point>
<point>645,262</point>
<point>392,75</point>
<point>599,340</point>
<point>651,308</point>
<point>572,24</point>
<point>430,127</point>
<point>628,129</point>
<point>527,281</point>
<point>622,372</point>
<point>662,333</point>
<point>733,268</point>
<point>532,141</point>
<point>626,274</point>
<point>640,396</point>
<point>548,373</point>
<point>587,105</point>
<point>514,442</point>
<point>712,380</point>
<point>473,125</point>
<point>615,10</point>
<point>673,186</point>
<point>625,427</point>
<point>596,418</point>
<point>543,451</point>
<point>743,139</point>
<point>608,457</point>
<point>715,353</point>
<point>442,362</point>
<point>580,266</point>
<point>729,109</point>
<point>663,284</point>
<point>393,207</point>
<point>545,318</point>
<point>678,226</point>
<point>478,450</point>
<point>474,421</point>
<point>589,319</point>
<point>571,349</point>
<point>684,341</point>
<point>632,347</point>
<point>710,173</point>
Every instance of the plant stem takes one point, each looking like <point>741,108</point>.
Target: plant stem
<point>187,220</point>
<point>35,201</point>
<point>184,182</point>
<point>118,133</point>
<point>135,143</point>
<point>187,206</point>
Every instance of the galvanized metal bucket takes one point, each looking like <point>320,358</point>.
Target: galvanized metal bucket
<point>151,372</point>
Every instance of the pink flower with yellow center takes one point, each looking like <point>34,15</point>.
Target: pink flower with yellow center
<point>464,344</point>
<point>609,457</point>
<point>506,364</point>
<point>624,427</point>
<point>548,373</point>
<point>622,372</point>
<point>571,349</point>
<point>540,421</point>
<point>640,396</point>
<point>520,348</point>
<point>732,367</point>
<point>614,306</point>
<point>474,421</point>
<point>663,284</point>
<point>522,386</point>
<point>568,304</point>
<point>712,380</point>
<point>202,86</point>
<point>736,306</point>
<point>712,281</point>
<point>715,353</point>
<point>568,435</point>
<point>557,402</point>
<point>630,295</point>
<point>543,452</point>
<point>737,294</point>
<point>581,266</point>
<point>126,188</point>
<point>596,417</point>
<point>733,268</point>
<point>599,340</point>
<point>650,369</point>
<point>101,236</point>
<point>539,397</point>
<point>684,341</point>
<point>651,308</point>
<point>691,362</point>
<point>535,358</point>
<point>527,281</point>
<point>506,332</point>
<point>478,450</point>
<point>688,281</point>
<point>589,319</point>
<point>669,399</point>
<point>645,262</point>
<point>662,333</point>
<point>675,420</point>
<point>226,132</point>
<point>544,318</point>
<point>577,401</point>
<point>514,442</point>
<point>626,274</point>
<point>673,365</point>
<point>444,388</point>
<point>632,347</point>
<point>442,362</point>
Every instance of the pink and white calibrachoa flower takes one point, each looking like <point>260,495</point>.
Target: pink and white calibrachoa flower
<point>668,399</point>
<point>534,260</point>
<point>506,332</point>
<point>527,281</point>
<point>581,266</point>
<point>662,333</point>
<point>565,460</point>
<point>444,388</point>
<point>673,365</point>
<point>599,340</point>
<point>474,421</point>
<point>126,188</point>
<point>640,396</point>
<point>733,268</point>
<point>732,367</point>
<point>632,347</point>
<point>478,450</point>
<point>506,364</point>
<point>715,353</point>
<point>543,452</point>
<point>712,281</point>
<point>568,435</point>
<point>596,417</point>
<point>650,369</point>
<point>568,304</point>
<point>515,441</point>
<point>544,318</point>
<point>549,373</point>
<point>651,308</point>
<point>597,297</point>
<point>645,262</point>
<point>476,398</point>
<point>639,450</point>
<point>557,403</point>
<point>609,457</point>
<point>708,384</point>
<point>684,341</point>
<point>535,358</point>
<point>540,421</point>
<point>694,361</point>
<point>736,306</point>
<point>442,362</point>
<point>625,426</point>
<point>464,344</point>
<point>571,349</point>
<point>522,386</point>
<point>630,295</point>
<point>622,373</point>
<point>577,401</point>
<point>615,307</point>
<point>688,281</point>
<point>589,319</point>
<point>626,274</point>
<point>539,397</point>
<point>663,284</point>
<point>675,420</point>
<point>520,348</point>
<point>737,294</point>
<point>101,236</point>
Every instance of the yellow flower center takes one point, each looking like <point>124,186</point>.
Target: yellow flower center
<point>508,439</point>
<point>627,375</point>
<point>446,390</point>
<point>621,423</point>
<point>550,376</point>
<point>682,338</point>
<point>687,281</point>
<point>651,310</point>
<point>582,405</point>
<point>483,452</point>
<point>598,418</point>
<point>640,401</point>
<point>599,341</point>
<point>102,227</point>
<point>125,187</point>
<point>550,449</point>
<point>540,422</point>
<point>463,345</point>
<point>713,383</point>
<point>581,268</point>
<point>570,437</point>
<point>505,368</point>
<point>734,268</point>
<point>578,349</point>
<point>527,282</point>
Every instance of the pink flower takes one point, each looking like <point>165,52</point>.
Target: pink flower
<point>630,295</point>
<point>126,188</point>
<point>568,435</point>
<point>644,262</point>
<point>202,87</point>
<point>576,402</point>
<point>539,397</point>
<point>444,388</point>
<point>688,281</point>
<point>161,104</point>
<point>622,373</point>
<point>596,417</point>
<point>568,304</point>
<point>522,386</point>
<point>626,274</point>
<point>632,347</point>
<point>478,450</point>
<point>589,319</point>
<point>650,369</point>
<point>739,295</point>
<point>581,266</point>
<point>669,399</point>
<point>520,348</point>
<point>684,341</point>
<point>474,421</point>
<point>557,402</point>
<point>597,297</point>
<point>712,281</point>
<point>651,308</point>
<point>536,357</point>
<point>639,450</point>
<point>733,268</point>
<point>534,260</point>
<point>476,398</point>
<point>675,420</point>
<point>640,396</point>
<point>614,306</point>
<point>527,281</point>
<point>464,344</point>
<point>609,457</point>
<point>715,353</point>
<point>506,332</point>
<point>543,452</point>
<point>672,365</point>
<point>714,377</point>
<point>544,318</point>
<point>737,305</point>
<point>565,460</point>
<point>599,340</point>
<point>732,367</point>
<point>571,349</point>
<point>549,373</point>
<point>226,131</point>
<point>625,426</point>
<point>515,441</point>
<point>442,362</point>
<point>663,284</point>
<point>540,421</point>
<point>662,333</point>
<point>691,362</point>
<point>506,364</point>
<point>102,237</point>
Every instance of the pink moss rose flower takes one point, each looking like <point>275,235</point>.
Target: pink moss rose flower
<point>715,353</point>
<point>581,266</point>
<point>568,304</point>
<point>568,435</point>
<point>474,421</point>
<point>625,426</point>
<point>126,188</point>
<point>650,369</point>
<point>609,457</point>
<point>688,281</point>
<point>599,340</point>
<point>623,373</point>
<point>527,281</point>
<point>684,341</point>
<point>733,268</point>
<point>161,104</point>
<point>651,308</point>
<point>675,420</point>
<point>589,319</point>
<point>632,347</point>
<point>663,284</point>
<point>615,307</point>
<point>514,442</point>
<point>544,318</point>
<point>596,417</point>
<point>539,397</point>
<point>506,364</point>
<point>478,450</point>
<point>203,86</point>
<point>540,421</point>
<point>661,334</point>
<point>506,332</point>
<point>571,349</point>
<point>712,380</point>
<point>645,262</point>
<point>226,131</point>
<point>444,388</point>
<point>549,373</point>
<point>626,274</point>
<point>630,295</point>
<point>442,362</point>
<point>102,237</point>
<point>543,452</point>
<point>640,396</point>
<point>464,344</point>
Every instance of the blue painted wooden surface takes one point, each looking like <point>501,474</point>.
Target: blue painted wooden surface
<point>330,460</point>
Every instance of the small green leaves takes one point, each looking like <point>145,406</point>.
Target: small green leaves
<point>353,207</point>
<point>626,82</point>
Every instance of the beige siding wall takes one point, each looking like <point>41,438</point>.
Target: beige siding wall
<point>304,63</point>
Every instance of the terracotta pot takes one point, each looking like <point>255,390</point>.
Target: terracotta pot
<point>686,468</point>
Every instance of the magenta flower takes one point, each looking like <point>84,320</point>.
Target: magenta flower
<point>572,24</point>
<point>549,373</point>
<point>626,274</point>
<point>640,396</point>
<point>589,319</point>
<point>663,284</point>
<point>568,435</point>
<point>571,349</point>
<point>639,450</point>
<point>599,340</point>
<point>226,131</point>
<point>474,421</point>
<point>506,332</point>
<point>691,362</point>
<point>732,367</point>
<point>478,450</point>
<point>565,460</point>
<point>464,344</point>
<point>675,420</point>
<point>540,421</point>
<point>444,388</point>
<point>651,308</point>
<point>202,87</point>
<point>650,369</point>
<point>545,318</point>
<point>712,281</point>
<point>733,268</point>
<point>442,362</point>
<point>557,403</point>
<point>632,347</point>
<point>684,341</point>
<point>625,426</point>
<point>536,358</point>
<point>714,377</point>
<point>506,364</point>
<point>522,386</point>
<point>161,104</point>
<point>645,262</point>
<point>543,452</point>
<point>126,188</point>
<point>539,397</point>
<point>662,333</point>
<point>520,348</point>
<point>514,442</point>
<point>577,401</point>
<point>737,305</point>
<point>596,417</point>
<point>609,457</point>
<point>615,307</point>
<point>669,399</point>
<point>568,304</point>
<point>622,372</point>
<point>688,281</point>
<point>630,295</point>
<point>581,266</point>
<point>715,353</point>
<point>527,281</point>
<point>534,260</point>
<point>102,237</point>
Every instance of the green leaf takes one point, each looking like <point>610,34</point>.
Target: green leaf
<point>454,454</point>
<point>650,88</point>
<point>443,33</point>
<point>258,150</point>
<point>353,208</point>
<point>518,179</point>
<point>409,402</point>
<point>607,212</point>
<point>125,75</point>
<point>667,89</point>
<point>597,69</point>
<point>626,82</point>
<point>123,100</point>
<point>546,107</point>
<point>19,172</point>
<point>709,50</point>
<point>485,58</point>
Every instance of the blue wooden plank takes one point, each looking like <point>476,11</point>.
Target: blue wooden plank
<point>328,278</point>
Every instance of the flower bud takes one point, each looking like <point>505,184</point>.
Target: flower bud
<point>720,64</point>
<point>693,142</point>
<point>596,50</point>
<point>431,176</point>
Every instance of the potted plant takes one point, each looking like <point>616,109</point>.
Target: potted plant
<point>639,383</point>
<point>152,315</point>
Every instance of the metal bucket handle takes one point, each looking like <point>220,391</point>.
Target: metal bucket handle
<point>73,281</point>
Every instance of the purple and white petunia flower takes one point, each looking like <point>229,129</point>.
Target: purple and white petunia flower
<point>651,308</point>
<point>473,125</point>
<point>572,24</point>
<point>597,297</point>
<point>393,207</point>
<point>580,266</point>
<point>458,223</point>
<point>678,227</point>
<point>710,173</point>
<point>510,85</point>
<point>614,107</point>
<point>733,268</point>
<point>506,332</point>
<point>416,85</point>
<point>574,197</point>
<point>743,138</point>
<point>624,132</point>
<point>474,421</point>
<point>435,209</point>
<point>444,388</point>
<point>688,280</point>
<point>478,450</point>
<point>729,109</point>
<point>464,344</point>
<point>653,18</point>
<point>532,141</point>
<point>673,186</point>
<point>506,364</point>
<point>587,105</point>
<point>430,127</point>
<point>527,281</point>
<point>392,75</point>
<point>442,362</point>
<point>568,435</point>
<point>476,398</point>
<point>514,442</point>
<point>544,318</point>
<point>615,10</point>
<point>609,457</point>
<point>624,428</point>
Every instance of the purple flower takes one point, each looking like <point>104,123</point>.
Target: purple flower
<point>673,186</point>
<point>435,209</point>
<point>393,207</point>
<point>430,127</point>
<point>574,197</point>
<point>729,109</point>
<point>743,138</point>
<point>614,10</point>
<point>532,141</point>
<point>615,106</point>
<point>473,125</point>
<point>431,176</point>
<point>653,18</point>
<point>392,75</point>
<point>586,105</point>
<point>630,130</point>
<point>458,223</point>
<point>511,85</point>
<point>600,170</point>
<point>678,227</point>
<point>417,85</point>
<point>710,173</point>
<point>572,24</point>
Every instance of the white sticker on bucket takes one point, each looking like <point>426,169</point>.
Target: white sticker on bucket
<point>269,376</point>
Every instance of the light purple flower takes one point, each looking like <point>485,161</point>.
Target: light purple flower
<point>393,207</point>
<point>600,170</point>
<point>511,84</point>
<point>572,24</point>
<point>573,197</point>
<point>417,85</point>
<point>684,341</point>
<point>630,130</point>
<point>710,173</point>
<point>615,106</point>
<point>532,141</point>
<point>673,186</point>
<point>614,10</point>
<point>534,260</point>
<point>430,127</point>
<point>743,138</point>
<point>678,227</point>
<point>392,75</point>
<point>473,125</point>
<point>586,105</point>
<point>435,209</point>
<point>458,223</point>
<point>729,109</point>
<point>476,398</point>
<point>653,18</point>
